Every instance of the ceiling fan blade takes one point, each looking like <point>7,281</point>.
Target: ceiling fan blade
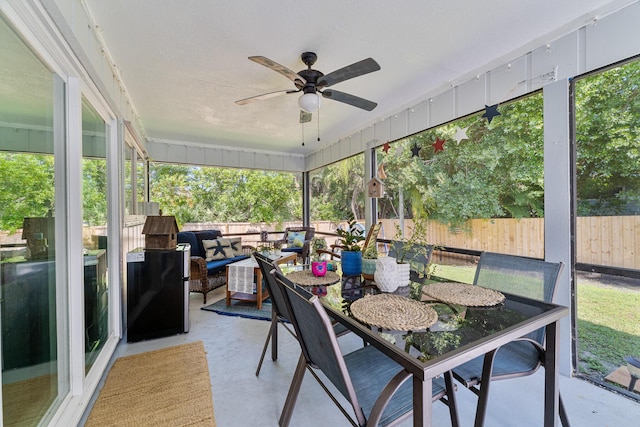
<point>264,96</point>
<point>356,69</point>
<point>356,101</point>
<point>291,75</point>
<point>305,117</point>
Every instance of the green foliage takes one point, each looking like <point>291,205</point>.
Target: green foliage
<point>371,252</point>
<point>496,172</point>
<point>415,244</point>
<point>337,190</point>
<point>27,188</point>
<point>207,194</point>
<point>350,237</point>
<point>94,191</point>
<point>608,141</point>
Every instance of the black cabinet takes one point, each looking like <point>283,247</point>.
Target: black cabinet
<point>157,293</point>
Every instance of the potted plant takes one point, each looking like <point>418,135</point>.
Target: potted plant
<point>369,257</point>
<point>351,253</point>
<point>318,266</point>
<point>393,273</point>
<point>317,243</point>
<point>413,247</point>
<point>264,250</point>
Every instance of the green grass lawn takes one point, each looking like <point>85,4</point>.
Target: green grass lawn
<point>455,273</point>
<point>608,326</point>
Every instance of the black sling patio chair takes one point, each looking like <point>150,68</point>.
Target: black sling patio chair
<point>521,276</point>
<point>279,310</point>
<point>378,389</point>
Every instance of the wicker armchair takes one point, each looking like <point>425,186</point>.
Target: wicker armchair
<point>207,276</point>
<point>202,282</point>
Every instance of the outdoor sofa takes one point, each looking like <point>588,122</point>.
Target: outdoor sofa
<point>209,260</point>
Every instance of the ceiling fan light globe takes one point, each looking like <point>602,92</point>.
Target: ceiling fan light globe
<point>309,102</point>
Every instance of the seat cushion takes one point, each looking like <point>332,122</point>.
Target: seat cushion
<point>218,266</point>
<point>517,358</point>
<point>296,250</point>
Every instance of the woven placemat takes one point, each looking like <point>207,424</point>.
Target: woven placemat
<point>306,278</point>
<point>463,294</point>
<point>393,312</point>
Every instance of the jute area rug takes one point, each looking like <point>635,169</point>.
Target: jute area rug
<point>166,387</point>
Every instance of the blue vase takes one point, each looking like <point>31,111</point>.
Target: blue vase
<point>351,263</point>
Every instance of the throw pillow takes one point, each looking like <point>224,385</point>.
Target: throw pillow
<point>296,238</point>
<point>218,249</point>
<point>236,245</point>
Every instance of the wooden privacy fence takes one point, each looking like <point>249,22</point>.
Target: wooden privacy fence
<point>604,240</point>
<point>610,240</point>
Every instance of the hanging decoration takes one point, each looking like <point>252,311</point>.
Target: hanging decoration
<point>491,112</point>
<point>460,134</point>
<point>415,150</point>
<point>438,145</point>
<point>386,147</point>
<point>381,173</point>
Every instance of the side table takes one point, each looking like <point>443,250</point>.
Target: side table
<point>235,271</point>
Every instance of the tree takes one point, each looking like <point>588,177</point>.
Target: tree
<point>337,190</point>
<point>208,194</point>
<point>94,191</point>
<point>608,142</point>
<point>496,172</point>
<point>27,188</point>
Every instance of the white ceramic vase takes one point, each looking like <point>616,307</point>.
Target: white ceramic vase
<point>390,275</point>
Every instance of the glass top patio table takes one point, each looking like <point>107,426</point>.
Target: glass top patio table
<point>460,334</point>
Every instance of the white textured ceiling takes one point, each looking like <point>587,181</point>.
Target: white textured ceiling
<point>184,63</point>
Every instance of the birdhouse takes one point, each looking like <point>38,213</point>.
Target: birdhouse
<point>375,188</point>
<point>160,232</point>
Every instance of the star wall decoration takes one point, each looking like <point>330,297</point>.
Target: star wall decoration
<point>491,112</point>
<point>438,145</point>
<point>460,134</point>
<point>415,150</point>
<point>386,147</point>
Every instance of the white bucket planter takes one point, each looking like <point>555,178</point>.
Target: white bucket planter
<point>390,275</point>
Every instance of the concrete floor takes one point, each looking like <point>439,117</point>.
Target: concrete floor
<point>241,399</point>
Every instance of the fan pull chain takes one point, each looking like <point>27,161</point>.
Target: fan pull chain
<point>318,115</point>
<point>302,126</point>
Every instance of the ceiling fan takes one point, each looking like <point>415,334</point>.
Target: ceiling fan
<point>312,84</point>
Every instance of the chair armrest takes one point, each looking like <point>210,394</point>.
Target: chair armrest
<point>332,254</point>
<point>198,269</point>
